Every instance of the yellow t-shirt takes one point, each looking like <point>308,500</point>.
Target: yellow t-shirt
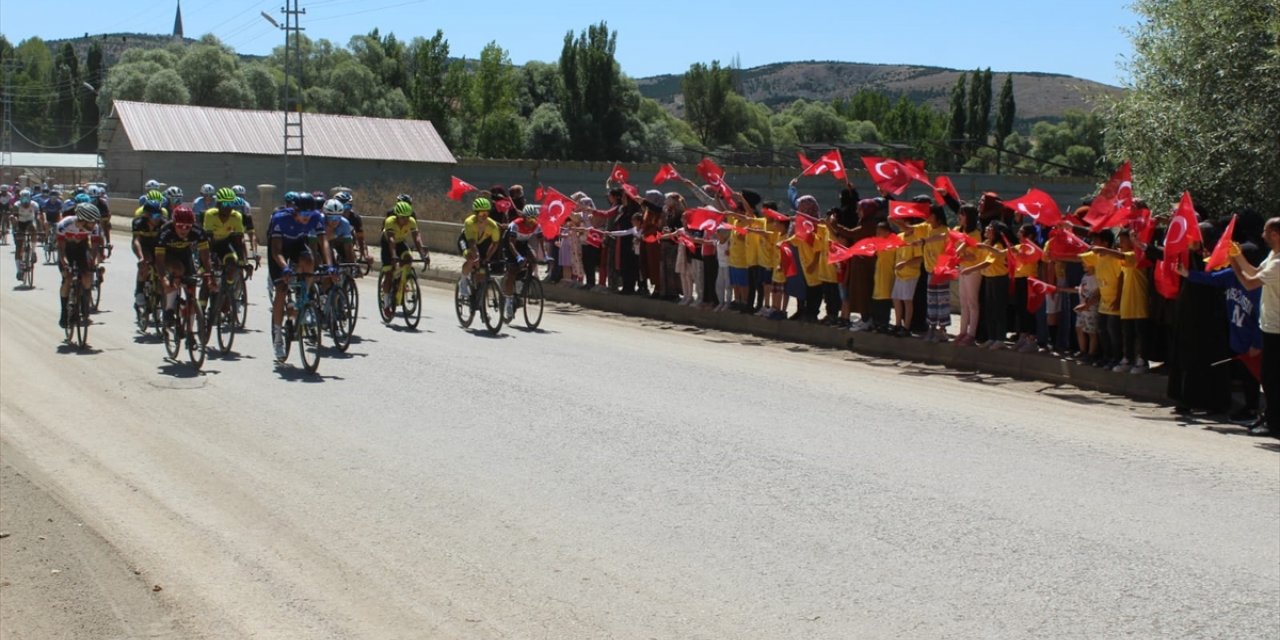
<point>826,272</point>
<point>1136,292</point>
<point>935,241</point>
<point>885,260</point>
<point>1059,267</point>
<point>137,213</point>
<point>767,256</point>
<point>906,252</point>
<point>969,256</point>
<point>1027,267</point>
<point>755,242</point>
<point>1107,270</point>
<point>219,229</point>
<point>738,249</point>
<point>808,255</point>
<point>996,264</point>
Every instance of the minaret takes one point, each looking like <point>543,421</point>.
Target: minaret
<point>177,23</point>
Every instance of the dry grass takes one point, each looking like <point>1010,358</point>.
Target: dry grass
<point>375,198</point>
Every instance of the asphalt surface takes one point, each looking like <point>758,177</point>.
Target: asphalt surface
<point>608,477</point>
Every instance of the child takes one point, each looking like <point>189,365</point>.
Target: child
<point>571,251</point>
<point>724,286</point>
<point>1028,266</point>
<point>882,293</point>
<point>972,262</point>
<point>906,271</point>
<point>995,285</point>
<point>1087,315</point>
<point>1107,268</point>
<point>1135,293</point>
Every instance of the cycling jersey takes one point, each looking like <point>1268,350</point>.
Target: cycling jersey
<point>342,231</point>
<point>71,233</point>
<point>397,233</point>
<point>353,218</point>
<point>103,207</point>
<point>218,229</point>
<point>27,212</point>
<point>142,211</point>
<point>285,225</point>
<point>52,208</point>
<point>520,233</point>
<point>168,240</point>
<point>475,233</point>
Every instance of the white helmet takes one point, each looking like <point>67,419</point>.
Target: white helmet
<point>25,193</point>
<point>173,193</point>
<point>238,190</point>
<point>151,184</point>
<point>333,208</point>
<point>207,190</point>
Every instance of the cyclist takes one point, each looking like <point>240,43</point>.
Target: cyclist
<point>98,198</point>
<point>482,237</point>
<point>173,197</point>
<point>75,234</point>
<point>52,208</point>
<point>151,185</point>
<point>516,252</point>
<point>356,222</point>
<point>396,228</point>
<point>225,227</point>
<point>146,229</point>
<point>289,236</point>
<point>338,230</point>
<point>174,253</point>
<point>26,218</point>
<point>6,205</point>
<point>151,201</point>
<point>404,197</point>
<point>206,201</point>
<point>246,214</point>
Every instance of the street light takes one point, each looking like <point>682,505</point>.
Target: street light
<point>89,87</point>
<point>266,16</point>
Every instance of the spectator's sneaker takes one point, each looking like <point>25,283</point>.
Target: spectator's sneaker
<point>1139,367</point>
<point>928,335</point>
<point>995,345</point>
<point>1122,366</point>
<point>940,336</point>
<point>1260,429</point>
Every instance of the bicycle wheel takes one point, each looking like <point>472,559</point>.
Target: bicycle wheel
<point>222,318</point>
<point>49,249</point>
<point>462,305</point>
<point>73,310</point>
<point>29,262</point>
<point>240,303</point>
<point>308,332</point>
<point>169,330</point>
<point>412,304</point>
<point>352,306</point>
<point>533,303</point>
<point>382,307</point>
<point>491,307</point>
<point>197,337</point>
<point>95,293</point>
<point>337,302</point>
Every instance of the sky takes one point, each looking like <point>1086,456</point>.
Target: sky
<point>1083,38</point>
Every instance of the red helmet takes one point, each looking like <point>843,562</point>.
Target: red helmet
<point>182,214</point>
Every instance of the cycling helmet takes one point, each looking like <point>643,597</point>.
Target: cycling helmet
<point>404,197</point>
<point>182,214</point>
<point>25,193</point>
<point>225,195</point>
<point>206,190</point>
<point>82,198</point>
<point>333,208</point>
<point>530,210</point>
<point>155,194</point>
<point>290,197</point>
<point>481,205</point>
<point>344,197</point>
<point>151,184</point>
<point>305,202</point>
<point>87,212</point>
<point>174,193</point>
<point>238,190</point>
<point>403,209</point>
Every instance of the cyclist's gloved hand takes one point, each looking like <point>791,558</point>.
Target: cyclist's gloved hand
<point>286,271</point>
<point>330,269</point>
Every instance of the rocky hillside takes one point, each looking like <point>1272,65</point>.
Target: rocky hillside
<point>1040,96</point>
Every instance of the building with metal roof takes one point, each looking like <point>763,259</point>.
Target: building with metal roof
<point>26,169</point>
<point>189,146</point>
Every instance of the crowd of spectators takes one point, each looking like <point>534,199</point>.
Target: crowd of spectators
<point>1099,297</point>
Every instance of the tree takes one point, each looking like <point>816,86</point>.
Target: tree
<point>427,92</point>
<point>165,87</point>
<point>984,108</point>
<point>1203,103</point>
<point>1005,115</point>
<point>204,67</point>
<point>537,83</point>
<point>90,116</point>
<point>262,85</point>
<point>495,102</point>
<point>547,136</point>
<point>64,109</point>
<point>589,103</point>
<point>956,128</point>
<point>706,92</point>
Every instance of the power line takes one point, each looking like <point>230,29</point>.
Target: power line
<point>376,9</point>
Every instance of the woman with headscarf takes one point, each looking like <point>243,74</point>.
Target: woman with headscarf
<point>1199,338</point>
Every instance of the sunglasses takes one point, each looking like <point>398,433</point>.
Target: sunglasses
<point>181,226</point>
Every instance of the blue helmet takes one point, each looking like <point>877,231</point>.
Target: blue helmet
<point>82,198</point>
<point>305,202</point>
<point>290,197</point>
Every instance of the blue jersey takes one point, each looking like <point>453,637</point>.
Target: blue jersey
<point>285,225</point>
<point>1243,308</point>
<point>343,231</point>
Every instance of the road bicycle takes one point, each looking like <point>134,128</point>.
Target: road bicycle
<point>302,322</point>
<point>147,315</point>
<point>341,305</point>
<point>27,258</point>
<point>227,310</point>
<point>50,245</point>
<point>407,294</point>
<point>186,325</point>
<point>485,297</point>
<point>4,228</point>
<point>528,297</point>
<point>78,320</point>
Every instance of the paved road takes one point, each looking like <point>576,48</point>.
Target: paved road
<point>615,478</point>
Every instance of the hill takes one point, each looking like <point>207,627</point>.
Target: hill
<point>1040,96</point>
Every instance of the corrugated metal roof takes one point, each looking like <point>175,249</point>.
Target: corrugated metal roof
<point>55,160</point>
<point>166,127</point>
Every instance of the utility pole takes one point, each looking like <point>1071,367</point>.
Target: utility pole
<point>6,137</point>
<point>295,160</point>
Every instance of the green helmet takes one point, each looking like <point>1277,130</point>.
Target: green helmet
<point>481,204</point>
<point>155,194</point>
<point>403,209</point>
<point>225,195</point>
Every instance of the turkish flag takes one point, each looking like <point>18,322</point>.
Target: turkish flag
<point>787,259</point>
<point>687,242</point>
<point>619,174</point>
<point>537,193</point>
<point>866,247</point>
<point>890,176</point>
<point>710,172</point>
<point>806,227</point>
<point>775,216</point>
<point>1028,252</point>
<point>915,169</point>
<point>942,187</point>
<point>1143,225</point>
<point>1183,228</point>
<point>1066,244</point>
<point>1253,363</point>
<point>947,267</point>
<point>555,210</point>
<point>805,162</point>
<point>903,211</point>
<point>837,253</point>
<point>704,219</point>
<point>665,173</point>
<point>1116,196</point>
<point>502,205</point>
<point>1221,253</point>
<point>595,238</point>
<point>1168,282</point>
<point>958,238</point>
<point>631,191</point>
<point>458,188</point>
<point>1037,205</point>
<point>1036,291</point>
<point>830,162</point>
